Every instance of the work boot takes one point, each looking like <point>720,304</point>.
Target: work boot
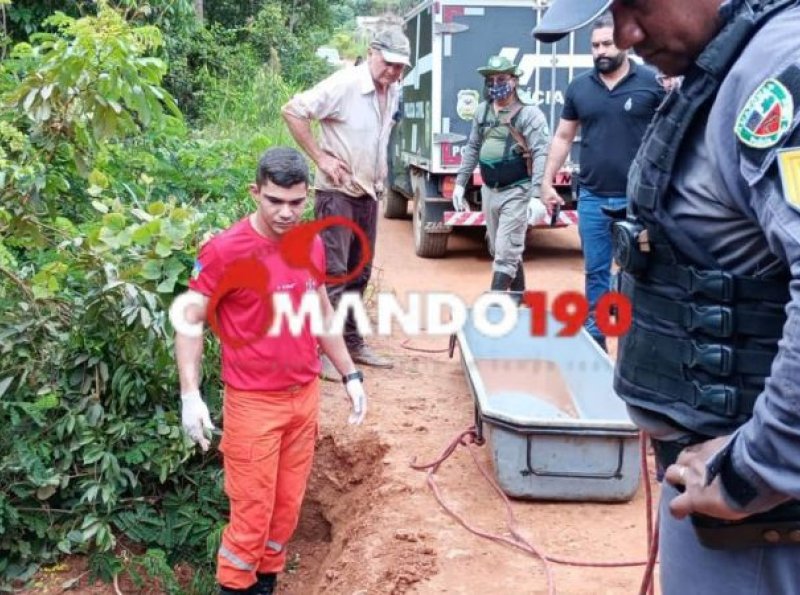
<point>266,584</point>
<point>231,591</point>
<point>518,284</point>
<point>501,282</point>
<point>364,355</point>
<point>328,371</point>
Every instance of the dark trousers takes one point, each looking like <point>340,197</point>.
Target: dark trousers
<point>343,249</point>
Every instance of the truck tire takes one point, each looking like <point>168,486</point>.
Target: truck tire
<point>426,245</point>
<point>395,205</point>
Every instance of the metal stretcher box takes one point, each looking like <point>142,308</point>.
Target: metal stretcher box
<point>546,405</point>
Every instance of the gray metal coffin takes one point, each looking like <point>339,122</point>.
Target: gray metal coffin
<point>546,404</point>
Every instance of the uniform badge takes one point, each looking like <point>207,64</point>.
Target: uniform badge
<point>766,115</point>
<point>468,100</point>
<point>789,162</point>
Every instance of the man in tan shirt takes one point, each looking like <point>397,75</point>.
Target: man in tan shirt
<point>355,108</point>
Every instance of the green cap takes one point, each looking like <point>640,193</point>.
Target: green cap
<point>499,65</point>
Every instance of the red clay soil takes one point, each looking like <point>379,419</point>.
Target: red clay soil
<point>371,525</point>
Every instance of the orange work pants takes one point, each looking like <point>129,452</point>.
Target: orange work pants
<point>268,446</point>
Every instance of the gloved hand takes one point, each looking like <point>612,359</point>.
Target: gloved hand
<point>195,418</point>
<point>355,390</point>
<point>459,202</point>
<point>537,212</point>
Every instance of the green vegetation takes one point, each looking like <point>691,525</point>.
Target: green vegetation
<point>129,131</point>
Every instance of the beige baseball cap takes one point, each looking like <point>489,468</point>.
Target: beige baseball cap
<point>393,45</point>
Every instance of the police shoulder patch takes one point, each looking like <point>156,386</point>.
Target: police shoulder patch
<point>789,164</point>
<point>766,116</point>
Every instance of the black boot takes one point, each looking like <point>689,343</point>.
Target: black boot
<point>266,584</point>
<point>501,282</point>
<point>518,284</point>
<point>231,591</point>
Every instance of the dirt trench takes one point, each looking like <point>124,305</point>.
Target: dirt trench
<point>335,539</point>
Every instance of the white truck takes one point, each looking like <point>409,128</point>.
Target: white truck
<point>450,40</point>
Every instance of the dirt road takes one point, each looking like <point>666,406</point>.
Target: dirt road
<point>371,525</point>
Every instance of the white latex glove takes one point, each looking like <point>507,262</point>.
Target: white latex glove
<point>459,202</point>
<point>195,418</point>
<point>355,390</point>
<point>537,212</point>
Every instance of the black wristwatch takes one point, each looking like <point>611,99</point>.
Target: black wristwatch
<point>353,376</point>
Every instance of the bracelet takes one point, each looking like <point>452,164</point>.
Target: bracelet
<point>357,375</point>
<point>190,395</point>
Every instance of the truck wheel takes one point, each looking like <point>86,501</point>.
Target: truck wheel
<point>426,244</point>
<point>395,205</point>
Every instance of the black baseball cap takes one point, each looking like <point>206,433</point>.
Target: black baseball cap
<point>564,16</point>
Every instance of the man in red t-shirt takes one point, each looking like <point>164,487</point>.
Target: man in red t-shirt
<point>271,398</point>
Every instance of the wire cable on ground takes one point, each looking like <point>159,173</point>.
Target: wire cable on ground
<point>648,587</point>
<point>406,344</point>
<point>469,437</point>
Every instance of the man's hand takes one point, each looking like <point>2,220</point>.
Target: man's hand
<point>537,212</point>
<point>690,471</point>
<point>550,198</point>
<point>336,169</point>
<point>459,202</point>
<point>358,398</point>
<point>195,418</point>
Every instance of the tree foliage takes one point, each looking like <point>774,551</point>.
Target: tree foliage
<point>104,197</point>
<point>129,130</point>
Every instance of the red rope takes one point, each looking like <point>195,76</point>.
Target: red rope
<point>648,587</point>
<point>469,437</point>
<point>406,344</point>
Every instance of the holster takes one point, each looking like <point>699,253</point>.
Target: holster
<point>779,526</point>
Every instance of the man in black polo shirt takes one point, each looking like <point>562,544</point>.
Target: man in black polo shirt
<point>612,105</point>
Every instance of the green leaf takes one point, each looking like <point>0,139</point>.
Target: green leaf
<point>142,236</point>
<point>167,285</point>
<point>163,249</point>
<point>99,206</point>
<point>114,221</point>
<point>4,384</point>
<point>98,178</point>
<point>44,492</point>
<point>156,208</point>
<point>31,97</point>
<point>151,269</point>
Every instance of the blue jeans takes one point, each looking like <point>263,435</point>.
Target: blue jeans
<point>594,227</point>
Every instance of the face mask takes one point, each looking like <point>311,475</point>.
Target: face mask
<point>500,91</point>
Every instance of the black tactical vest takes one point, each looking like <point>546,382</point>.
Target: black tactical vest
<point>512,167</point>
<point>702,340</point>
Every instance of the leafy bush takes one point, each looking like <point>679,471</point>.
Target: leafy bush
<point>104,197</point>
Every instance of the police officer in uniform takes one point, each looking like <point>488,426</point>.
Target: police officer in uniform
<point>506,127</point>
<point>710,252</point>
